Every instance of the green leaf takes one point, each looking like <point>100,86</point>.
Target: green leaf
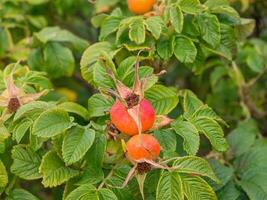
<point>228,11</point>
<point>223,173</point>
<point>165,48</point>
<point>190,104</point>
<point>75,108</point>
<point>4,132</point>
<point>207,112</point>
<point>243,137</point>
<point>31,108</point>
<point>51,123</point>
<point>26,163</point>
<point>101,77</point>
<point>254,158</point>
<point>108,26</point>
<point>229,191</point>
<point>195,188</point>
<point>196,166</point>
<point>184,50</point>
<point>95,156</point>
<point>170,186</point>
<point>177,18</point>
<point>163,99</point>
<point>154,25</point>
<point>106,194</point>
<point>59,60</point>
<point>137,32</point>
<point>209,27</point>
<point>190,135</point>
<point>76,143</point>
<point>4,41</point>
<point>90,57</point>
<point>190,6</point>
<point>211,4</point>
<point>213,132</point>
<point>3,175</point>
<point>255,61</point>
<point>21,129</point>
<point>245,28</point>
<point>55,34</point>
<point>20,194</point>
<point>83,192</point>
<point>99,105</point>
<point>167,139</point>
<point>54,170</point>
<point>253,191</point>
<point>126,67</point>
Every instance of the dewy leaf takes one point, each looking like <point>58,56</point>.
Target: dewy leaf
<point>184,50</point>
<point>190,6</point>
<point>26,163</point>
<point>163,99</point>
<point>137,32</point>
<point>212,131</point>
<point>190,135</point>
<point>177,18</point>
<point>3,175</point>
<point>59,60</point>
<point>75,108</point>
<point>76,143</point>
<point>51,123</point>
<point>209,27</point>
<point>154,25</point>
<point>99,105</point>
<point>196,166</point>
<point>54,170</point>
<point>83,192</point>
<point>20,194</point>
<point>170,186</point>
<point>195,188</point>
<point>243,137</point>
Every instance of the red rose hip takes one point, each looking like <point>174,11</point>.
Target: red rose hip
<point>146,149</point>
<point>124,121</point>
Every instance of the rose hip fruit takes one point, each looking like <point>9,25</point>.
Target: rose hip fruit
<point>126,124</point>
<point>147,149</point>
<point>140,6</point>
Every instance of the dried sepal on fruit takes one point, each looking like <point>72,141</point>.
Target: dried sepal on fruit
<point>13,97</point>
<point>132,114</point>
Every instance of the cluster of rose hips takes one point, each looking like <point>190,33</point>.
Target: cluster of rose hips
<point>133,115</point>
